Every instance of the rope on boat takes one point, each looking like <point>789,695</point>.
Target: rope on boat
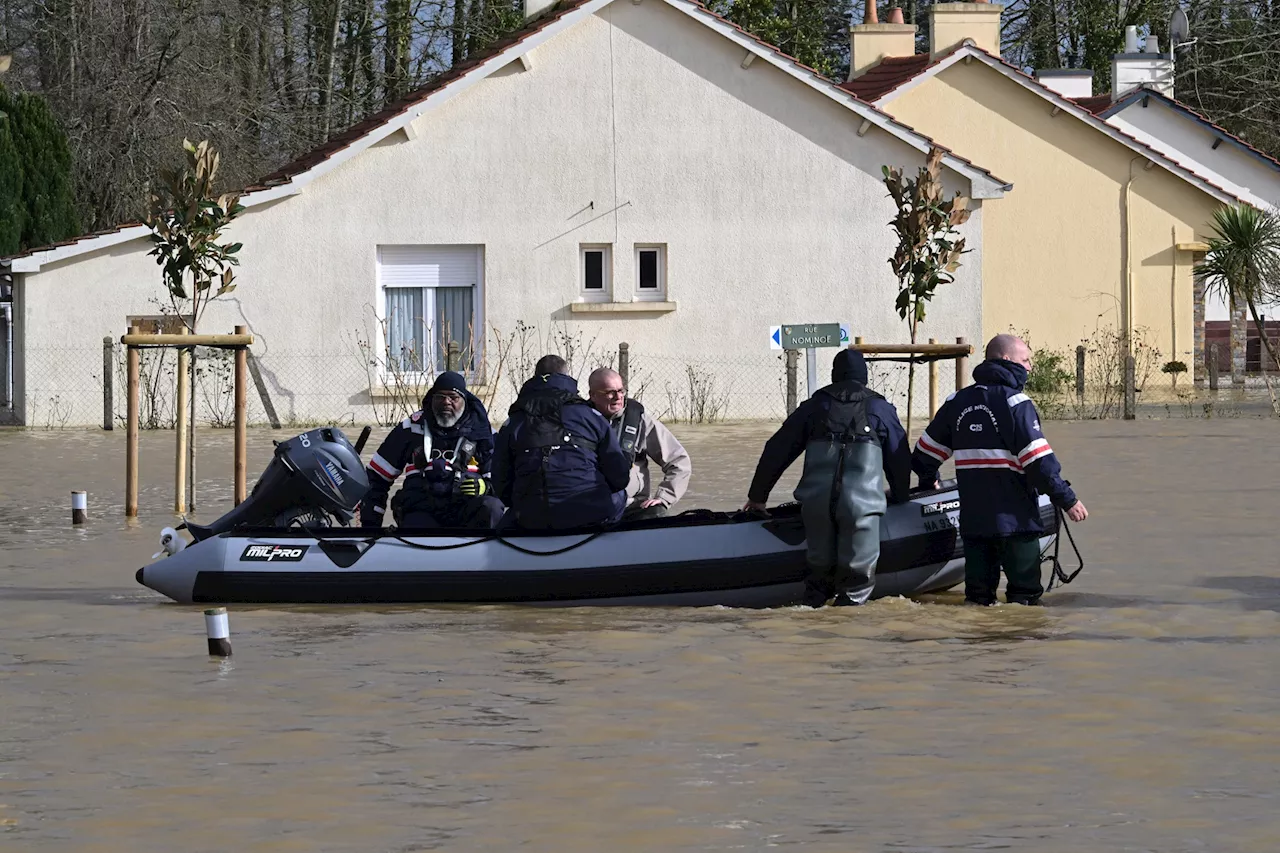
<point>498,538</point>
<point>1057,573</point>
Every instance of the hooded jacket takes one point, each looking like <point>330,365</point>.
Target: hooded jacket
<point>557,464</point>
<point>810,419</point>
<point>1002,458</point>
<point>401,451</point>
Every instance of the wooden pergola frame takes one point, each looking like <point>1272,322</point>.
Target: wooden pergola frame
<point>136,341</point>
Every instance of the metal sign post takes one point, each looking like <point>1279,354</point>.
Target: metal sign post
<point>808,337</point>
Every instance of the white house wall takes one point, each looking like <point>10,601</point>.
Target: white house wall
<point>1191,143</point>
<point>635,126</point>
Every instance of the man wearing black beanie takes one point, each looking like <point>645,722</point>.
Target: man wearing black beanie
<point>849,435</point>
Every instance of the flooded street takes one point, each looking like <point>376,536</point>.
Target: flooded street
<point>1136,711</point>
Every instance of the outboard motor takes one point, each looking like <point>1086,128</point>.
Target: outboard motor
<point>314,478</point>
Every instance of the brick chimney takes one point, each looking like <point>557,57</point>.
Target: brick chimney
<point>1067,82</point>
<point>952,23</point>
<point>1141,66</point>
<point>871,41</point>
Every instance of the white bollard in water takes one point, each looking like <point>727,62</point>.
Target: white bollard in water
<point>79,507</point>
<point>219,631</point>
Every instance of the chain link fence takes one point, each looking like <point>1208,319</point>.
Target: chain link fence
<point>64,387</point>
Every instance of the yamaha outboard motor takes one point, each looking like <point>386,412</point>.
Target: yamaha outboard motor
<point>314,477</point>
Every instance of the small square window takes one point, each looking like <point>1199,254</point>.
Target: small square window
<point>597,272</point>
<point>651,272</point>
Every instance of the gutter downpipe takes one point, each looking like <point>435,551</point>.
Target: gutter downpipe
<point>1128,254</point>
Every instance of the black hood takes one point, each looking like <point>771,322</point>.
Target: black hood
<point>998,371</point>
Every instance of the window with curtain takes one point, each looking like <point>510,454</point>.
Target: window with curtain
<point>430,298</point>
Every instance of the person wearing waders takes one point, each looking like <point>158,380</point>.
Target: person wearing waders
<point>849,436</point>
<point>1002,459</point>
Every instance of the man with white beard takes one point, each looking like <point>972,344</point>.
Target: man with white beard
<point>445,451</point>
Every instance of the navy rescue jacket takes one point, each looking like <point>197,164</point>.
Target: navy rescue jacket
<point>401,453</point>
<point>809,421</point>
<point>1002,458</point>
<point>557,463</point>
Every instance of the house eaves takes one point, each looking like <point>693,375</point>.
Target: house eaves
<point>969,51</point>
<point>293,178</point>
<point>1142,93</point>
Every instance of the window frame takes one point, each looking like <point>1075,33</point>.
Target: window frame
<point>605,293</point>
<point>658,294</point>
<point>437,361</point>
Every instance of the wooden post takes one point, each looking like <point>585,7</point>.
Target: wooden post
<point>962,366</point>
<point>1213,367</point>
<point>108,385</point>
<point>267,406</point>
<point>131,435</point>
<point>624,363</point>
<point>1129,390</point>
<point>933,384</point>
<point>180,428</point>
<point>191,441</point>
<point>1080,374</point>
<point>452,360</point>
<point>793,363</point>
<point>242,415</point>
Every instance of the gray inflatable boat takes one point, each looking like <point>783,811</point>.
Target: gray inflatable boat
<point>275,549</point>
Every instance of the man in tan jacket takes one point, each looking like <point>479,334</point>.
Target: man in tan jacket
<point>644,439</point>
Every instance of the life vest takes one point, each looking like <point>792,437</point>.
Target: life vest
<point>846,418</point>
<point>629,434</point>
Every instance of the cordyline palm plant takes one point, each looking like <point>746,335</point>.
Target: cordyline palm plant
<point>928,250</point>
<point>186,222</point>
<point>1243,263</point>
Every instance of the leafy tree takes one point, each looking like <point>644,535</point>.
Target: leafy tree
<point>928,250</point>
<point>1243,263</point>
<point>186,220</point>
<point>37,174</point>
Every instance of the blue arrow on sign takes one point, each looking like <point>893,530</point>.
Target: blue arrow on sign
<point>777,337</point>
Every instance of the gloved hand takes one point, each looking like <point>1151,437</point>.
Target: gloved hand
<point>473,487</point>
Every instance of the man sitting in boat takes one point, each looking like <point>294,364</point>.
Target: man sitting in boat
<point>445,451</point>
<point>557,464</point>
<point>848,434</point>
<point>642,438</point>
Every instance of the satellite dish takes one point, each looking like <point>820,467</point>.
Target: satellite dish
<point>1179,29</point>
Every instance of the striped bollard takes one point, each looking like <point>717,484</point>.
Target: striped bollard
<point>219,631</point>
<point>79,507</point>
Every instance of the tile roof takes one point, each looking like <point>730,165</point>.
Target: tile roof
<point>1095,104</point>
<point>885,76</point>
<point>353,134</point>
<point>1089,105</point>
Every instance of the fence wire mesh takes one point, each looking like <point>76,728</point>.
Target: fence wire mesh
<point>64,387</point>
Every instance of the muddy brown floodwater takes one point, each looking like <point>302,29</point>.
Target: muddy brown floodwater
<point>1137,711</point>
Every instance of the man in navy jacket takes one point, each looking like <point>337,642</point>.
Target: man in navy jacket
<point>557,463</point>
<point>1002,460</point>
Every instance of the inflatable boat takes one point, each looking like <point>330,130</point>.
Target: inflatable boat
<point>695,558</point>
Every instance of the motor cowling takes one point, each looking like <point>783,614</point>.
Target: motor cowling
<point>314,475</point>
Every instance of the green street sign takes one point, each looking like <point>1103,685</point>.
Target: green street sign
<point>806,335</point>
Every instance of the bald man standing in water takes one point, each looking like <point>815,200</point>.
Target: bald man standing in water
<point>1002,462</point>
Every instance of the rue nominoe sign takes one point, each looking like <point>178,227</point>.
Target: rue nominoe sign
<point>810,335</point>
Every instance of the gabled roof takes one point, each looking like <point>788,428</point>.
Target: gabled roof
<point>1134,96</point>
<point>293,177</point>
<point>1095,104</point>
<point>885,76</point>
<point>967,50</point>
